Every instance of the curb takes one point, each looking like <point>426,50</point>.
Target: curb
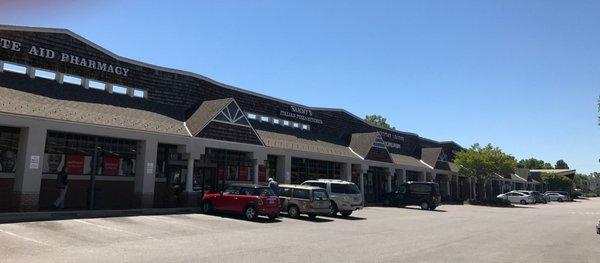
<point>6,218</point>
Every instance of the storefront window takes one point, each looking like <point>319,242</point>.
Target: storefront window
<point>114,157</point>
<point>308,169</point>
<point>9,145</point>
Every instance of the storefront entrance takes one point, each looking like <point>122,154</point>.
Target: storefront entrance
<point>375,181</point>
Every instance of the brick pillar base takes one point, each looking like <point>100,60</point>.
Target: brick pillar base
<point>143,200</point>
<point>26,202</point>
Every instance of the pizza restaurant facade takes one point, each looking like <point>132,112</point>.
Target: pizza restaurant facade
<point>137,135</point>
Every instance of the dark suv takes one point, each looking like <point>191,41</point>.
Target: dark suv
<point>425,195</point>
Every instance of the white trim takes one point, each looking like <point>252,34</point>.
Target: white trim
<point>356,153</point>
<point>427,164</point>
<point>187,129</point>
<point>7,175</point>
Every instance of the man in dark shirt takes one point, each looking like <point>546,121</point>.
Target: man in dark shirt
<point>61,185</point>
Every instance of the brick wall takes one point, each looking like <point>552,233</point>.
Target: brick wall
<point>6,194</point>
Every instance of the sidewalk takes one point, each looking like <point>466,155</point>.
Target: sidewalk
<point>17,217</point>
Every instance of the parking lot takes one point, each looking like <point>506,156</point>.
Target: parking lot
<point>556,232</point>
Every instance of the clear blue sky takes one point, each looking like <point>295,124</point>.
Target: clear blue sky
<point>523,75</point>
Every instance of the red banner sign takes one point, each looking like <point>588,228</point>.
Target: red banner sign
<point>110,166</point>
<point>262,173</point>
<point>220,172</point>
<point>75,163</point>
<point>243,173</point>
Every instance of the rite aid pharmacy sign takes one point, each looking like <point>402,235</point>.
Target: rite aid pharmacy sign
<point>46,53</point>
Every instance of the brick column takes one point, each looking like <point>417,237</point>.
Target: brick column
<point>145,165</point>
<point>28,176</point>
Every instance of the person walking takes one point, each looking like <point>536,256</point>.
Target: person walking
<point>274,186</point>
<point>61,185</point>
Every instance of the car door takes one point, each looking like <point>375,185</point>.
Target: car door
<point>245,196</point>
<point>400,195</point>
<point>228,198</point>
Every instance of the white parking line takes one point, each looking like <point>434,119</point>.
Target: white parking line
<point>112,228</point>
<point>25,238</point>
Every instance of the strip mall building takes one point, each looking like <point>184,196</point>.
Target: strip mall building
<point>140,135</point>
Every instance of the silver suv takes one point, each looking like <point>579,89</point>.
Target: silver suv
<point>345,196</point>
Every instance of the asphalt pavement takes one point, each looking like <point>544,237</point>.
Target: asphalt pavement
<point>555,232</point>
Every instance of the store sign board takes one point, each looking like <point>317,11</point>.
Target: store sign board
<point>300,113</point>
<point>51,54</point>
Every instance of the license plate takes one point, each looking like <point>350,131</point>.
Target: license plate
<point>271,202</point>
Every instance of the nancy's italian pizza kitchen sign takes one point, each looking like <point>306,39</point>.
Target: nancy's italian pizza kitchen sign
<point>46,53</point>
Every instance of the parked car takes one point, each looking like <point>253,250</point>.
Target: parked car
<point>249,200</point>
<point>598,228</point>
<point>567,196</point>
<point>345,196</point>
<point>556,197</point>
<point>304,199</point>
<point>517,198</point>
<point>537,196</point>
<point>425,195</point>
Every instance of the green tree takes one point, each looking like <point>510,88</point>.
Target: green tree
<point>561,164</point>
<point>483,163</point>
<point>557,181</point>
<point>582,181</point>
<point>533,163</point>
<point>378,120</point>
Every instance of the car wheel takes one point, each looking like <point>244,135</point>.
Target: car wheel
<point>560,200</point>
<point>293,211</point>
<point>346,213</point>
<point>334,209</point>
<point>250,213</point>
<point>523,202</point>
<point>272,217</point>
<point>424,205</point>
<point>207,208</point>
<point>312,216</point>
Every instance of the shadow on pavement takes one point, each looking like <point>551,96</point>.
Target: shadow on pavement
<point>318,219</point>
<point>418,208</point>
<point>346,217</point>
<point>8,218</point>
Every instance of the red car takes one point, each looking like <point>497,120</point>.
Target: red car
<point>249,200</point>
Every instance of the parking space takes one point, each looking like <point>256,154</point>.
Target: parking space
<point>556,232</point>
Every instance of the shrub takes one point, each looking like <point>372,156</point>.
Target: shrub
<point>591,194</point>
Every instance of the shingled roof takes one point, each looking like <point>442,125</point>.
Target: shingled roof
<point>205,113</point>
<point>409,161</point>
<point>292,142</point>
<point>430,155</point>
<point>28,104</point>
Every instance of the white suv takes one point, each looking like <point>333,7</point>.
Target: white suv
<point>345,196</point>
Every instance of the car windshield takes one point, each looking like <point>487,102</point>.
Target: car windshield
<point>262,191</point>
<point>320,195</point>
<point>344,188</point>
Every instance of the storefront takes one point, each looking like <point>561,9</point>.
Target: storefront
<point>308,169</point>
<point>9,147</point>
<point>138,135</point>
